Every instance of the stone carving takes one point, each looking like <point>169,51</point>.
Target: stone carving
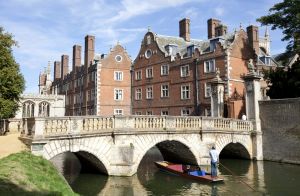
<point>218,74</point>
<point>251,66</point>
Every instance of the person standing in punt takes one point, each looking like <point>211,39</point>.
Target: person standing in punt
<point>214,156</point>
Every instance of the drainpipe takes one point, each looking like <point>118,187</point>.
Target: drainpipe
<point>197,86</point>
<point>131,88</point>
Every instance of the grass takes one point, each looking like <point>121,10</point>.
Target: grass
<point>25,174</point>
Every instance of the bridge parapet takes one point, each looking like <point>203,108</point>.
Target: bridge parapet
<point>53,126</point>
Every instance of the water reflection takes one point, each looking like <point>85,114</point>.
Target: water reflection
<point>68,165</point>
<point>266,178</point>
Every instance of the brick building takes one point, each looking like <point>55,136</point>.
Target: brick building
<point>171,75</point>
<point>101,86</point>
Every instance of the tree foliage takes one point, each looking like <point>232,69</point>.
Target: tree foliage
<point>286,16</point>
<point>11,80</point>
<point>284,84</point>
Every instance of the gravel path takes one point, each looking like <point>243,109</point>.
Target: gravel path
<point>10,144</point>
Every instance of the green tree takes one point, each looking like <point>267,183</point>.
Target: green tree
<point>11,80</point>
<point>282,83</point>
<point>286,16</point>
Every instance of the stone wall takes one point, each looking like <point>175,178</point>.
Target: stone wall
<point>280,123</point>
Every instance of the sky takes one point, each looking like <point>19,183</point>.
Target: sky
<point>46,29</point>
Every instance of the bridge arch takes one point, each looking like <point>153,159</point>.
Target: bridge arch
<point>243,140</point>
<point>93,150</point>
<point>144,143</point>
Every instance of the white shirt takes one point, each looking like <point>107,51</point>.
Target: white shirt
<point>214,155</point>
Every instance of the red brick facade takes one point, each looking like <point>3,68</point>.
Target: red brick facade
<point>192,64</point>
<point>90,88</point>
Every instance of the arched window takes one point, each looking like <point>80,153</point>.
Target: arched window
<point>44,109</point>
<point>28,109</point>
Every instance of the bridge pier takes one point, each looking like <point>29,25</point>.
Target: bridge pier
<point>253,95</point>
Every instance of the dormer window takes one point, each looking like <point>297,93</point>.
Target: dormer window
<point>213,43</point>
<point>171,49</point>
<point>190,50</point>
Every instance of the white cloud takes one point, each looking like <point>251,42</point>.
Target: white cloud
<point>219,11</point>
<point>190,13</point>
<point>131,8</point>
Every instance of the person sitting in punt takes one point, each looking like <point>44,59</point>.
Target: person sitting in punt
<point>186,168</point>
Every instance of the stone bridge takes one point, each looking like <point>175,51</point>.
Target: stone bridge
<point>115,145</point>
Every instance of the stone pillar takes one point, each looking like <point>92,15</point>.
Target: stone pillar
<point>253,95</point>
<point>217,96</point>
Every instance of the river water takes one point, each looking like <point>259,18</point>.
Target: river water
<point>244,178</point>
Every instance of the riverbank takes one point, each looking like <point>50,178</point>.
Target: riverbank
<point>25,174</point>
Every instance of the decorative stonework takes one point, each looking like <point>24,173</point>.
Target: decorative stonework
<point>121,148</point>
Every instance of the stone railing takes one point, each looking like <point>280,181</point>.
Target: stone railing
<point>43,127</point>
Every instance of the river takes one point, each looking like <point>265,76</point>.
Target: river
<point>244,178</point>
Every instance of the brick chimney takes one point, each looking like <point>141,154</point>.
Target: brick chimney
<point>89,50</point>
<point>253,37</point>
<point>184,29</point>
<point>64,65</point>
<point>76,57</point>
<point>42,79</point>
<point>56,74</point>
<point>220,30</point>
<point>211,27</point>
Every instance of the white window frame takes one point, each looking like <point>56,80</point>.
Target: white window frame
<point>138,94</point>
<point>210,66</point>
<point>164,113</point>
<point>184,71</point>
<point>164,92</point>
<point>185,93</point>
<point>118,111</point>
<point>164,70</point>
<point>149,93</point>
<point>207,90</point>
<point>138,75</point>
<point>118,94</point>
<point>118,75</point>
<point>149,72</point>
<point>185,112</point>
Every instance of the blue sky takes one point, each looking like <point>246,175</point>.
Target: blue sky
<point>46,29</point>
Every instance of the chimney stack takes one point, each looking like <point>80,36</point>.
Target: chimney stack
<point>211,27</point>
<point>220,30</point>
<point>64,65</point>
<point>184,29</point>
<point>89,50</point>
<point>253,37</point>
<point>56,70</point>
<point>76,57</point>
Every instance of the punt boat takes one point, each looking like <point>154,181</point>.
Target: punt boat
<point>192,173</point>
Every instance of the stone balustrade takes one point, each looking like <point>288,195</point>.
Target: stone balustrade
<point>53,126</point>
